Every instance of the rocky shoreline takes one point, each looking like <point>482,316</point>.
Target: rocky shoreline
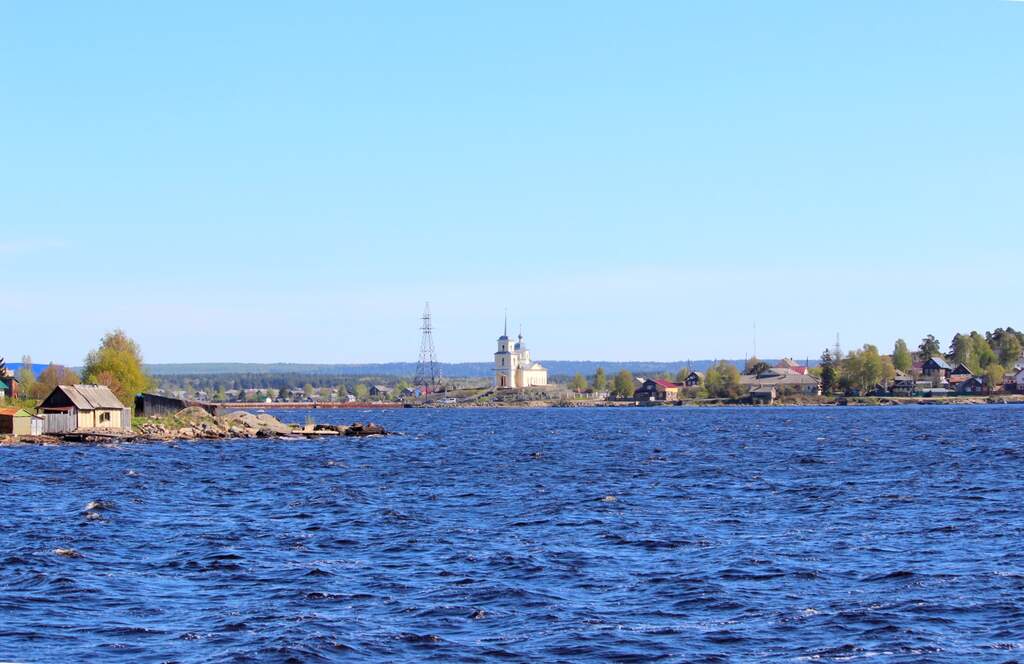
<point>197,424</point>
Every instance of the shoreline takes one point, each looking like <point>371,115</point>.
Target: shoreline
<point>242,425</point>
<point>719,403</point>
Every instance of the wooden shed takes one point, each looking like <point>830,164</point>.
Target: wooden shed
<point>19,422</point>
<point>157,405</point>
<point>74,407</point>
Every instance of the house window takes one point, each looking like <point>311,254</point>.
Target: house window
<point>104,417</point>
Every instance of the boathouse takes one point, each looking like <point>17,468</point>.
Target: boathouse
<point>157,405</point>
<point>73,407</point>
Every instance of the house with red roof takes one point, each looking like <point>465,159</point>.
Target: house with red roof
<point>657,389</point>
<point>792,365</point>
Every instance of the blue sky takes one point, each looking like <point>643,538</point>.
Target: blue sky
<point>261,182</point>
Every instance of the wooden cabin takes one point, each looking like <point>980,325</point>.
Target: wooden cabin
<point>936,367</point>
<point>73,407</point>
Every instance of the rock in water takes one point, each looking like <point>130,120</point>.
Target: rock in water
<point>360,429</point>
<point>96,505</point>
<point>274,425</point>
<point>67,553</point>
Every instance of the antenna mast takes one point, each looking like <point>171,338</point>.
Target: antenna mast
<point>428,371</point>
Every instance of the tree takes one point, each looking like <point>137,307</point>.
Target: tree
<point>929,348</point>
<point>117,363</point>
<point>755,366</point>
<point>959,349</point>
<point>872,368</point>
<point>362,392</point>
<point>972,350</point>
<point>307,390</point>
<point>829,373</point>
<point>221,395</point>
<point>26,377</point>
<point>982,352</point>
<point>1009,348</point>
<point>888,371</point>
<point>342,392</point>
<point>682,375</point>
<point>623,384</point>
<point>578,384</point>
<point>994,376</point>
<point>52,376</point>
<point>864,368</point>
<point>901,357</point>
<point>600,380</point>
<point>723,380</point>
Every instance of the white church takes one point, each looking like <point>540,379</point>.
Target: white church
<point>513,367</point>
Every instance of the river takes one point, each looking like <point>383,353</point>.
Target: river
<point>685,534</point>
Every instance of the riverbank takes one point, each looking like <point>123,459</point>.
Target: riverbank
<point>782,401</point>
<point>197,424</point>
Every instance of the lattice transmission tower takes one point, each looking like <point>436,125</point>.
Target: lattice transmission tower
<point>428,371</point>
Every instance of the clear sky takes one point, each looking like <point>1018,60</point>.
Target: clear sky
<point>266,181</point>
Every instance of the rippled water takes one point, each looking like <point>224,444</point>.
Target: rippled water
<point>572,535</point>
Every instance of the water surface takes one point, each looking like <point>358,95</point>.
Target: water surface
<point>818,534</point>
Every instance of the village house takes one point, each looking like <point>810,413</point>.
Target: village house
<point>655,389</point>
<point>1018,381</point>
<point>902,385</point>
<point>936,368</point>
<point>694,379</point>
<point>973,385</point>
<point>83,407</point>
<point>20,422</point>
<point>792,365</point>
<point>8,386</point>
<point>783,379</point>
<point>763,394</point>
<point>960,374</point>
<point>380,391</point>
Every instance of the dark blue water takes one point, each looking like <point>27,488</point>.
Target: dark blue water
<point>556,535</point>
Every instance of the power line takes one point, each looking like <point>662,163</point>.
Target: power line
<point>428,371</point>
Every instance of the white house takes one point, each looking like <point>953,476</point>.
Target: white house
<point>513,367</point>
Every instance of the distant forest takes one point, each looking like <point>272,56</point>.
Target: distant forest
<point>227,376</point>
<point>407,369</point>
